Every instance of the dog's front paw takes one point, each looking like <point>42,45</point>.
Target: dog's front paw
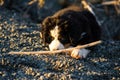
<point>79,53</point>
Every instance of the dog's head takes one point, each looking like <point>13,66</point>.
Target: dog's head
<point>56,33</point>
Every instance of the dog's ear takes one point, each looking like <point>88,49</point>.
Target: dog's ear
<point>47,21</point>
<point>44,29</point>
<point>46,26</point>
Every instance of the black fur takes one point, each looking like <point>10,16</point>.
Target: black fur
<point>72,22</point>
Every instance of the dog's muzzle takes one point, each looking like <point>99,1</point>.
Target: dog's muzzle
<point>56,45</point>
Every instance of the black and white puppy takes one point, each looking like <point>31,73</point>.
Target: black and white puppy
<point>70,27</point>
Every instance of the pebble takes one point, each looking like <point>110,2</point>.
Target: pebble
<point>41,78</point>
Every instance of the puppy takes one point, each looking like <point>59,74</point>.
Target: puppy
<point>70,27</point>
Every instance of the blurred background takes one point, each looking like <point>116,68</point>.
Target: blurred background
<point>107,12</point>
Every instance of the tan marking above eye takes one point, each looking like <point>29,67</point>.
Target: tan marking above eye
<point>55,32</point>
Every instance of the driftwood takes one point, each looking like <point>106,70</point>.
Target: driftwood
<point>40,2</point>
<point>115,3</point>
<point>68,50</point>
<point>87,6</point>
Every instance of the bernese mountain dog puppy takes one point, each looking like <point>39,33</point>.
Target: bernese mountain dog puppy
<point>70,27</point>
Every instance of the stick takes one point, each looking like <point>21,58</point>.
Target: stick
<point>87,6</point>
<point>111,3</point>
<point>116,4</point>
<point>58,51</point>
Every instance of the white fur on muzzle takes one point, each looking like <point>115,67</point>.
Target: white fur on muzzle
<point>55,45</point>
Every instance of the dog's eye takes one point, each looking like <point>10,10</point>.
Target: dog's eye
<point>48,39</point>
<point>83,35</point>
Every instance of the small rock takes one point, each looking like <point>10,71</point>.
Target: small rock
<point>41,78</point>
